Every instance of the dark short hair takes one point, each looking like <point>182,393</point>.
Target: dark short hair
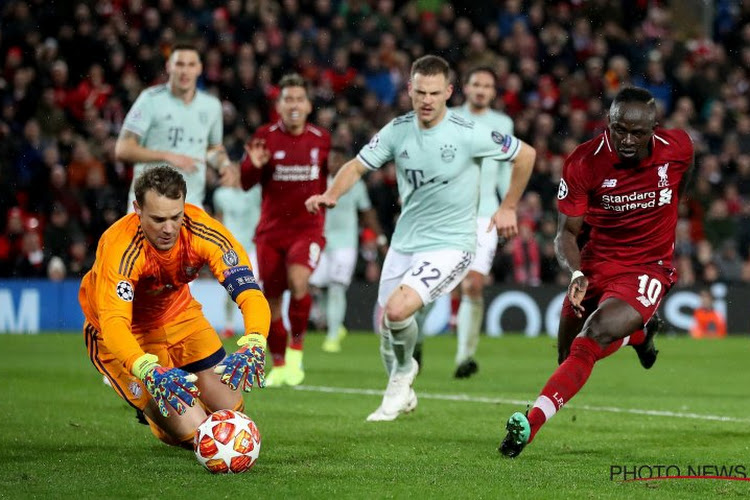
<point>185,46</point>
<point>630,95</point>
<point>292,80</point>
<point>634,94</point>
<point>431,65</point>
<point>481,69</point>
<point>162,179</point>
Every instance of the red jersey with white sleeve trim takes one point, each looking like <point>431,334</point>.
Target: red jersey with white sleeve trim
<point>632,211</point>
<point>297,169</point>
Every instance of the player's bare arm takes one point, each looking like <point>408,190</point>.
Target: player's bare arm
<point>687,179</point>
<point>218,159</point>
<point>258,152</point>
<point>505,219</point>
<point>569,256</point>
<point>350,173</point>
<point>370,220</point>
<point>127,148</point>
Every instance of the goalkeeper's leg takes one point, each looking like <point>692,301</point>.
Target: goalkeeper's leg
<point>179,430</point>
<point>175,430</point>
<point>215,394</point>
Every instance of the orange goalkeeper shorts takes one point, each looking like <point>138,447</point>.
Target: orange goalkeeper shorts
<point>195,347</point>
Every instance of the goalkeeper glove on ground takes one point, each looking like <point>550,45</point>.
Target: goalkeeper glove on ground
<point>241,368</point>
<point>166,385</point>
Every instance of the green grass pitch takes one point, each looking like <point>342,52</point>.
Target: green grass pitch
<point>66,435</point>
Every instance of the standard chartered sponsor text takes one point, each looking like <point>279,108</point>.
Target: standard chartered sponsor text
<point>286,173</point>
<point>632,201</point>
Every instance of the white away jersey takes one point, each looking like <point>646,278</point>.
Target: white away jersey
<point>240,211</point>
<point>438,177</point>
<point>342,221</point>
<point>165,123</point>
<point>495,175</point>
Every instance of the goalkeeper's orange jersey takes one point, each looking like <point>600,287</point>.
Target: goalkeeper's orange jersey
<point>134,288</point>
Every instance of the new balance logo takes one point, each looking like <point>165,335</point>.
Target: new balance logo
<point>665,196</point>
<point>404,155</point>
<point>609,183</point>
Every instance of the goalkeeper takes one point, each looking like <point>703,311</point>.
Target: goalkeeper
<point>146,333</point>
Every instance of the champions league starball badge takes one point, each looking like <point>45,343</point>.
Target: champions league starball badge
<point>230,258</point>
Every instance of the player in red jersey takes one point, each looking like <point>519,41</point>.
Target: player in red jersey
<point>289,159</point>
<point>624,185</point>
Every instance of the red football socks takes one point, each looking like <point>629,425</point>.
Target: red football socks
<point>568,379</point>
<point>638,337</point>
<point>299,314</point>
<point>277,339</point>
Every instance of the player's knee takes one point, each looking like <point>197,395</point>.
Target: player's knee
<point>397,317</point>
<point>298,288</point>
<point>274,303</point>
<point>472,286</point>
<point>173,438</point>
<point>596,329</point>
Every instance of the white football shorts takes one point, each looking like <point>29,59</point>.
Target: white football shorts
<point>335,266</point>
<point>430,274</point>
<point>486,247</point>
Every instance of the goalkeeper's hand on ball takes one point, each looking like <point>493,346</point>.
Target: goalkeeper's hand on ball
<point>171,386</point>
<point>240,369</point>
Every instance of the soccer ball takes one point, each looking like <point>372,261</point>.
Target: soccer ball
<point>227,442</point>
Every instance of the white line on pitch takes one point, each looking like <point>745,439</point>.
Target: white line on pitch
<point>523,403</point>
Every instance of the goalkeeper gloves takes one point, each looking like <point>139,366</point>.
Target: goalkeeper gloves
<point>166,385</point>
<point>241,368</point>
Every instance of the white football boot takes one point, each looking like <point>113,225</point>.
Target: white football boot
<point>399,396</point>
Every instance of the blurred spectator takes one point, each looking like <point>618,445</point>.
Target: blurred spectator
<point>56,269</point>
<point>31,263</point>
<point>59,232</point>
<point>707,321</point>
<point>81,163</point>
<point>92,92</point>
<point>79,259</point>
<point>526,255</point>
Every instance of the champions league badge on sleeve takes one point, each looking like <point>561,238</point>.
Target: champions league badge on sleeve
<point>562,191</point>
<point>230,258</point>
<point>503,140</point>
<point>125,291</point>
<point>374,141</point>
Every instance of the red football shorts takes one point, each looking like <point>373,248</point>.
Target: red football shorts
<point>275,255</point>
<point>642,287</point>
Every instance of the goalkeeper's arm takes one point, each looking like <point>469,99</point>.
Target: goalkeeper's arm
<point>242,368</point>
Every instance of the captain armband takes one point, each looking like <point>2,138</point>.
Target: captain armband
<point>238,279</point>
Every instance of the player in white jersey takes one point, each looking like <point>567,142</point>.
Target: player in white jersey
<point>178,124</point>
<point>336,265</point>
<point>437,154</point>
<point>480,92</point>
<point>239,211</point>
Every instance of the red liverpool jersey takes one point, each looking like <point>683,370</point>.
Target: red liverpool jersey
<point>296,170</point>
<point>632,211</point>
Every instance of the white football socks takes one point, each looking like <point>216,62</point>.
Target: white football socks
<point>403,338</point>
<point>468,325</point>
<point>335,309</point>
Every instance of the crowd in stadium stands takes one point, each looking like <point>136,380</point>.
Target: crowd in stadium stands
<point>71,70</point>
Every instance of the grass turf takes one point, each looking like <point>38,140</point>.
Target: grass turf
<point>65,434</point>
